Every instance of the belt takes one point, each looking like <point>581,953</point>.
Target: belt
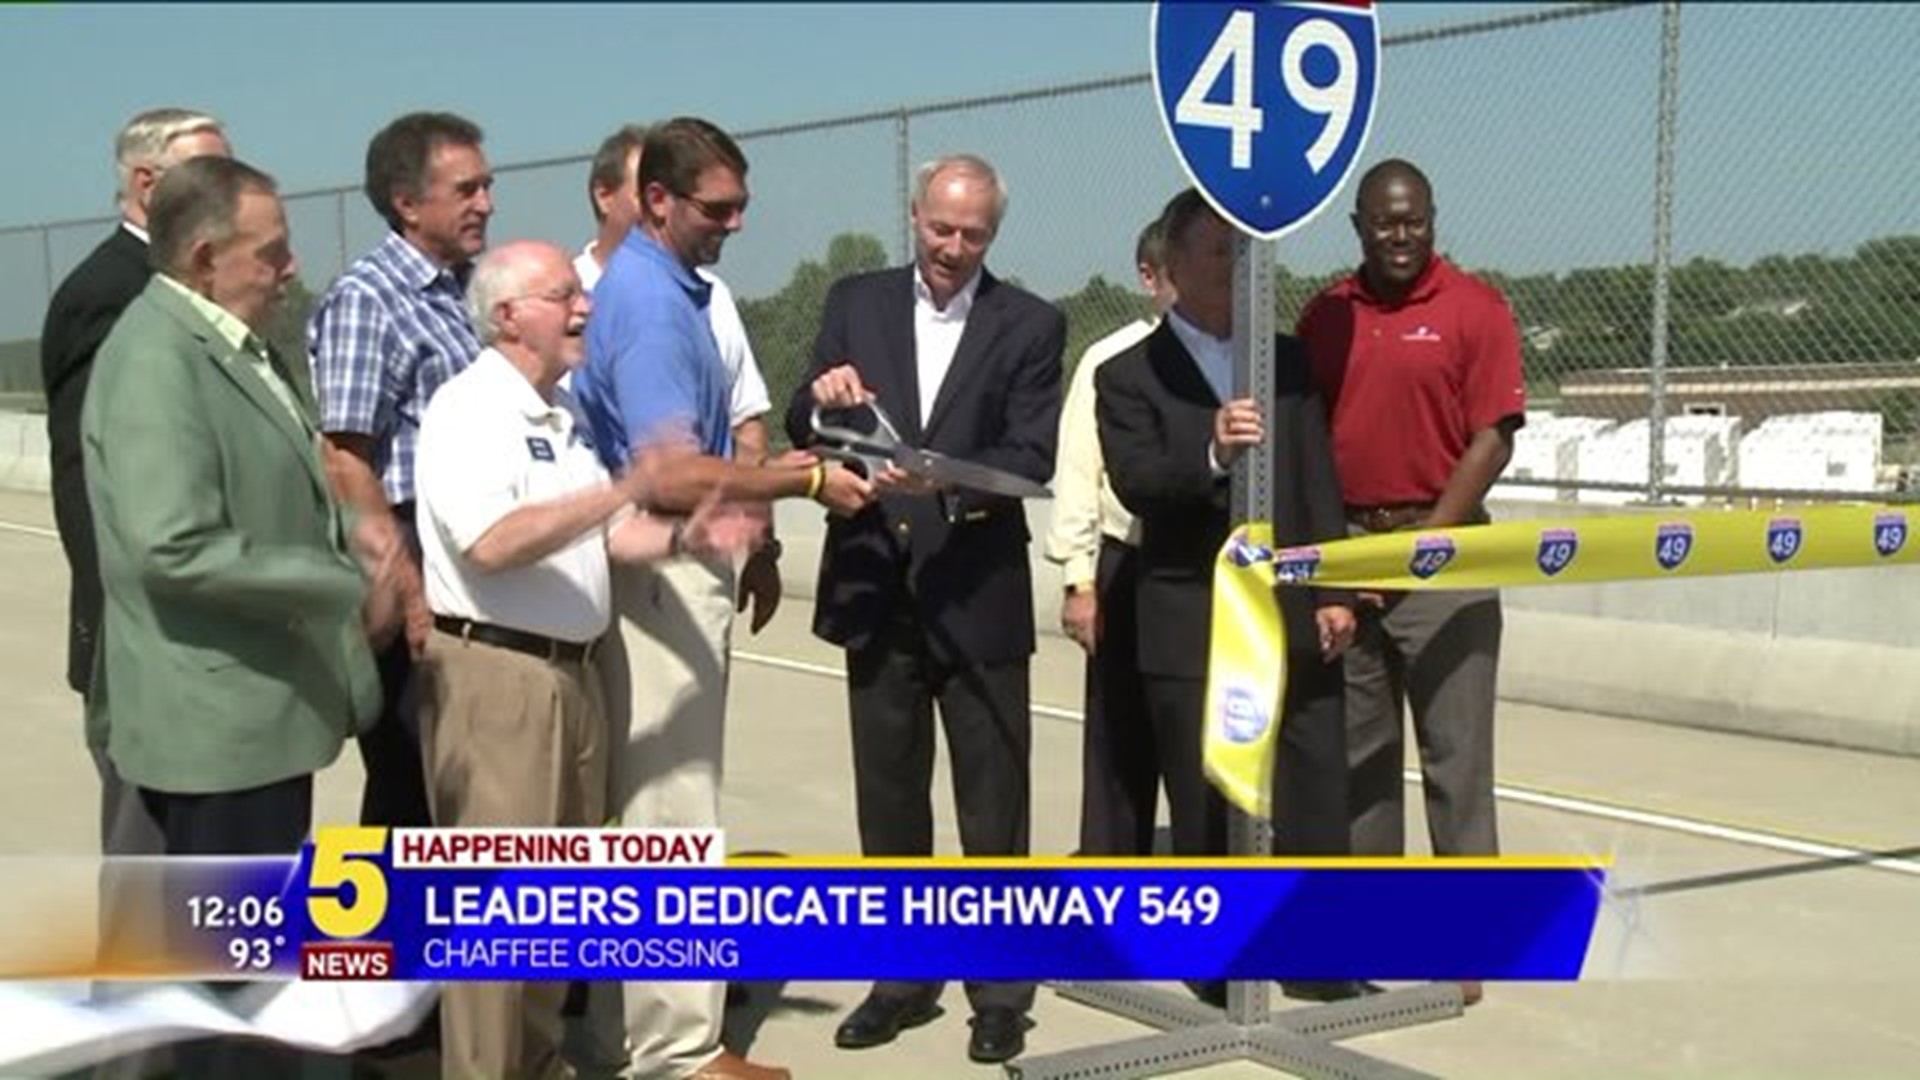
<point>552,650</point>
<point>1390,518</point>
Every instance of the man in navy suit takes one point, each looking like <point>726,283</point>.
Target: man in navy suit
<point>929,591</point>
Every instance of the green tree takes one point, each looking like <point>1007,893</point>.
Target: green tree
<point>782,326</point>
<point>1099,308</point>
<point>1291,293</point>
<point>1783,309</point>
<point>854,253</point>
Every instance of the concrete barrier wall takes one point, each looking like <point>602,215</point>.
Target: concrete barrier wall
<point>23,452</point>
<point>1828,656</point>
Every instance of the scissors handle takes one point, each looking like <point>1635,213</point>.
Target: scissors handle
<point>883,440</point>
<point>870,452</point>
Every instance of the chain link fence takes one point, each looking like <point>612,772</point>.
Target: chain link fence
<point>1700,215</point>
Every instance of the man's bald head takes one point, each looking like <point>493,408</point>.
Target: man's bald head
<point>1391,169</point>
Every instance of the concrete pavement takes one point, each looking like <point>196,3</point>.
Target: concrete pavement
<point>1747,936</point>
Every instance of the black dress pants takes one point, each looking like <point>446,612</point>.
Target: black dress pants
<point>396,789</point>
<point>1310,772</point>
<point>893,685</point>
<point>1119,763</point>
<point>268,820</point>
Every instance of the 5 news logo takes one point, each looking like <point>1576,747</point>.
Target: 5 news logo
<point>346,902</point>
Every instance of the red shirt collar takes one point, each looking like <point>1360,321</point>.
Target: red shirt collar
<point>1438,272</point>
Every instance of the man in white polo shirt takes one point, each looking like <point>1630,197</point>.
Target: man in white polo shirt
<point>518,520</point>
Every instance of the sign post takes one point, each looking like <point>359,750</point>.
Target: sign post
<point>1267,106</point>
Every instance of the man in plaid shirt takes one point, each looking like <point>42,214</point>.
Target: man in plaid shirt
<point>386,335</point>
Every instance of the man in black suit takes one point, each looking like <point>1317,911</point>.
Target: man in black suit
<point>930,591</point>
<point>1171,431</point>
<point>84,308</point>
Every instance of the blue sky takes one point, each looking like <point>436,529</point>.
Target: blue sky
<point>303,86</point>
<point>1796,127</point>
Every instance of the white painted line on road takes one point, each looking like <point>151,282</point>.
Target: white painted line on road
<point>1695,827</point>
<point>30,530</point>
<point>1529,796</point>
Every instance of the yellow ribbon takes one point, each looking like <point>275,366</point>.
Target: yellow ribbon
<point>1246,672</point>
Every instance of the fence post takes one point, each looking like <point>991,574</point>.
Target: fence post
<point>46,260</point>
<point>340,230</point>
<point>903,172</point>
<point>1662,250</point>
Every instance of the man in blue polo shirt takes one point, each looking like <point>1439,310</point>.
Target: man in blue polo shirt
<point>653,374</point>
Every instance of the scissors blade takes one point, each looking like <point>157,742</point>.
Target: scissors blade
<point>954,472</point>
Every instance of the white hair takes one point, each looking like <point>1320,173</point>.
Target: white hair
<point>965,165</point>
<point>146,138</point>
<point>499,276</point>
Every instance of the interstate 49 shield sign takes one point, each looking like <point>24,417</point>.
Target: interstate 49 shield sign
<point>1267,104</point>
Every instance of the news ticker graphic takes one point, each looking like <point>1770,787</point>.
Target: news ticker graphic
<point>1247,658</point>
<point>374,904</point>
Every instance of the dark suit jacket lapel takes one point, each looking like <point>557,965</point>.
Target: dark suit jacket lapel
<point>240,370</point>
<point>1178,368</point>
<point>903,352</point>
<point>969,358</point>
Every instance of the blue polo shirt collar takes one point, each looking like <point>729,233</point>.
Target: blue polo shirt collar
<point>649,249</point>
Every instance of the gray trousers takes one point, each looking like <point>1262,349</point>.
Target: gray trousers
<point>1438,652</point>
<point>132,913</point>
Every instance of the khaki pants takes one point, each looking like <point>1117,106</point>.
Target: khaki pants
<point>509,740</point>
<point>667,706</point>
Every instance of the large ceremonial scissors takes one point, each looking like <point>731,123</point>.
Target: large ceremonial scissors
<point>875,450</point>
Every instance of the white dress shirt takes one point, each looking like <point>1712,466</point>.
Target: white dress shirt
<point>936,336</point>
<point>1212,355</point>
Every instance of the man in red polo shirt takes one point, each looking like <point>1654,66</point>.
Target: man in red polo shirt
<point>1420,365</point>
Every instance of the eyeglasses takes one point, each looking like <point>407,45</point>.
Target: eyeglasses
<point>563,295</point>
<point>717,212</point>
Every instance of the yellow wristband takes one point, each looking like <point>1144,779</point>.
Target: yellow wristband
<point>817,480</point>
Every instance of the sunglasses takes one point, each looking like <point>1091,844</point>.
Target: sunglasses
<point>716,212</point>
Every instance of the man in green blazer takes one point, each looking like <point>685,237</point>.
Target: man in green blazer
<point>236,656</point>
